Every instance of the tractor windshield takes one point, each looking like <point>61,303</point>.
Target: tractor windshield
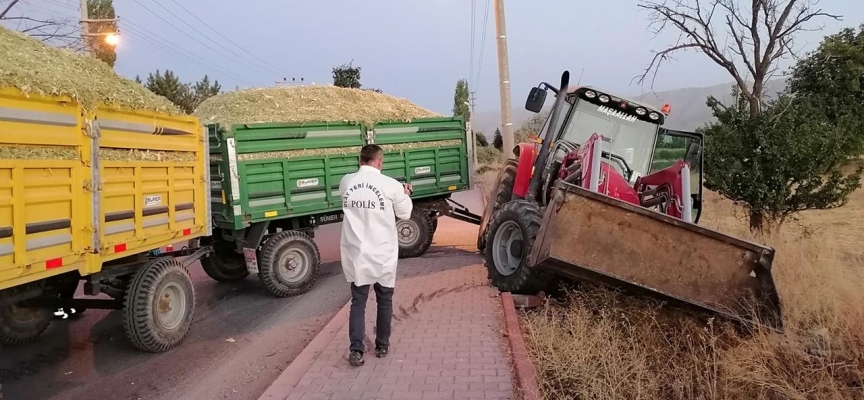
<point>632,139</point>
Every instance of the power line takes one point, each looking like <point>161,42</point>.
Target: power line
<point>473,30</point>
<point>136,33</point>
<point>275,68</point>
<point>483,38</point>
<point>182,31</point>
<point>145,36</point>
<point>254,65</point>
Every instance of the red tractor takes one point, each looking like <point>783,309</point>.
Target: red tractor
<point>605,194</point>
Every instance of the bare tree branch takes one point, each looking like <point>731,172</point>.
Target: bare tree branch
<point>756,41</point>
<point>61,32</point>
<point>9,7</point>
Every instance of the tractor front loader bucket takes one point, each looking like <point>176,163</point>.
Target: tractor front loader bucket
<point>591,237</point>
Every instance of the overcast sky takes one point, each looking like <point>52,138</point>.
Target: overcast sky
<point>408,48</point>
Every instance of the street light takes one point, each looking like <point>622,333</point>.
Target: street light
<point>112,39</point>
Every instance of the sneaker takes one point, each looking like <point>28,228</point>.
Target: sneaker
<point>356,359</point>
<point>381,352</point>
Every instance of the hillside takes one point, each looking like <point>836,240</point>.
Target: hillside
<point>688,106</point>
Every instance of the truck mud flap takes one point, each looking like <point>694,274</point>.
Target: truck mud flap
<point>592,237</point>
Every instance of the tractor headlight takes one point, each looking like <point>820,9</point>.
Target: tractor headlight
<point>604,98</point>
<point>590,94</point>
<point>641,111</point>
<point>654,116</point>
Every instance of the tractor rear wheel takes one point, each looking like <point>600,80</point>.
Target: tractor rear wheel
<point>511,236</point>
<point>500,194</point>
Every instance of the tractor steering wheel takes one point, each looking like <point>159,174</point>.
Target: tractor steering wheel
<point>628,172</point>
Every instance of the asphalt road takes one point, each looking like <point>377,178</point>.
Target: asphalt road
<point>241,340</point>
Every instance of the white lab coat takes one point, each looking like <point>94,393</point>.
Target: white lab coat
<point>371,202</point>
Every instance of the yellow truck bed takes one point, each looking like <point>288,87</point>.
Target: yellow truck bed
<point>78,190</point>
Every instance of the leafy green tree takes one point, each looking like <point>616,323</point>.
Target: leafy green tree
<point>101,9</point>
<point>347,76</point>
<point>186,96</point>
<point>460,101</point>
<point>203,90</point>
<point>784,160</point>
<point>832,77</point>
<point>531,126</point>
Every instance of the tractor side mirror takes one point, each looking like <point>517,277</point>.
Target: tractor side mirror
<point>535,100</point>
<point>693,151</point>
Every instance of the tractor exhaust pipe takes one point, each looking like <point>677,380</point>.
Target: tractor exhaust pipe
<point>543,155</point>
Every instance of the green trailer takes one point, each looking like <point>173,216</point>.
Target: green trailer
<point>274,184</point>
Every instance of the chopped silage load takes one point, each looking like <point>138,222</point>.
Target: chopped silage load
<point>302,104</point>
<point>308,104</point>
<point>35,68</point>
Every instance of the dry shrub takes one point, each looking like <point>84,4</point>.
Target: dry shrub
<point>489,155</point>
<point>604,346</point>
<point>303,104</point>
<point>31,66</point>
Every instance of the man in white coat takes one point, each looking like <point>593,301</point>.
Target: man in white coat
<point>371,202</point>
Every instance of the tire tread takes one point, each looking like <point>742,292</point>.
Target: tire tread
<point>267,273</point>
<point>138,321</point>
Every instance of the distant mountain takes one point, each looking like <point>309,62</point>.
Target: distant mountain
<point>689,110</point>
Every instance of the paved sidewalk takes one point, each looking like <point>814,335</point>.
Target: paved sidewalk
<point>447,334</point>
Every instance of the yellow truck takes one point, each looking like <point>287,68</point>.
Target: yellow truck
<point>86,195</point>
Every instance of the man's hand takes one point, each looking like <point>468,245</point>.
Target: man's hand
<point>408,188</point>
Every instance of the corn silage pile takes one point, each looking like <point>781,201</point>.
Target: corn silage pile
<point>32,67</point>
<point>307,104</point>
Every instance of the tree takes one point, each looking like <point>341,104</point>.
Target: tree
<point>532,126</point>
<point>61,32</point>
<point>203,90</point>
<point>185,96</point>
<point>347,76</point>
<point>101,9</point>
<point>756,36</point>
<point>831,76</point>
<point>782,161</point>
<point>497,140</point>
<point>460,101</point>
<point>481,139</point>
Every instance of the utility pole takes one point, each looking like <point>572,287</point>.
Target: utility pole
<point>87,36</point>
<point>504,76</point>
<point>85,29</point>
<point>471,101</point>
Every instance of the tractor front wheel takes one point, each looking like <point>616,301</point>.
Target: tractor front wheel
<point>511,234</point>
<point>499,195</point>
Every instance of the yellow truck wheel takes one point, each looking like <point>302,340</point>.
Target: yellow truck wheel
<point>21,325</point>
<point>159,306</point>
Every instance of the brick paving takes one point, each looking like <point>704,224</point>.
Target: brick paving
<point>447,332</point>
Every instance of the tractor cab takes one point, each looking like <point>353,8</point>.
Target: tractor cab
<point>634,144</point>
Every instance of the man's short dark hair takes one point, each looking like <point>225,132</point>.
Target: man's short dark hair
<point>370,152</point>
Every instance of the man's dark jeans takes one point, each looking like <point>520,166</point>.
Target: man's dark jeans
<point>357,321</point>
